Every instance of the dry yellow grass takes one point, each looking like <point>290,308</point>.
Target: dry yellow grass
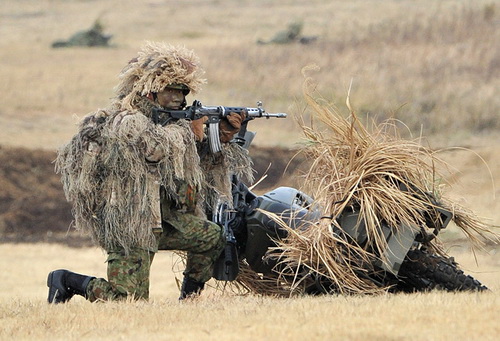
<point>435,61</point>
<point>25,315</point>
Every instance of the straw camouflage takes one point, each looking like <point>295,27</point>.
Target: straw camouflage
<point>364,167</point>
<point>157,66</point>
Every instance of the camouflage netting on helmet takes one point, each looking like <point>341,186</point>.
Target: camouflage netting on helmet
<point>156,66</point>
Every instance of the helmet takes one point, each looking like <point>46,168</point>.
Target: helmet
<point>157,66</point>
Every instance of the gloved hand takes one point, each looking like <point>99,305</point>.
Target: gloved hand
<point>198,128</point>
<point>230,125</point>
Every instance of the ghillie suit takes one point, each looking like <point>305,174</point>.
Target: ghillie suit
<point>113,167</point>
<point>389,180</point>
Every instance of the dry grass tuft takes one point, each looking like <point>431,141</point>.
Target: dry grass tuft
<point>352,165</point>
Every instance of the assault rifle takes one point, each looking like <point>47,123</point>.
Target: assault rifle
<point>214,114</point>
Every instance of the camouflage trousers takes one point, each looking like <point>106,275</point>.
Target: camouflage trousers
<point>128,274</point>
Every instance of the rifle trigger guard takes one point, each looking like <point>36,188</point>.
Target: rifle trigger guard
<point>213,138</point>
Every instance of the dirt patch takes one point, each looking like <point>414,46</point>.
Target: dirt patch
<point>32,202</point>
<point>33,206</point>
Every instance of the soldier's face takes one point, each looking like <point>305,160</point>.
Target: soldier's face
<point>170,98</point>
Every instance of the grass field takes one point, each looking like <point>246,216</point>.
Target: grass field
<point>432,64</point>
<point>25,315</point>
<point>429,63</point>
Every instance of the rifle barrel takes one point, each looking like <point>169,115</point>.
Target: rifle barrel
<point>257,112</point>
<point>278,115</point>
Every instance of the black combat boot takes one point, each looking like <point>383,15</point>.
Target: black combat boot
<point>190,288</point>
<point>63,284</point>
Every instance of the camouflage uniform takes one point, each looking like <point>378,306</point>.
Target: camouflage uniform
<point>128,275</point>
<point>134,184</point>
